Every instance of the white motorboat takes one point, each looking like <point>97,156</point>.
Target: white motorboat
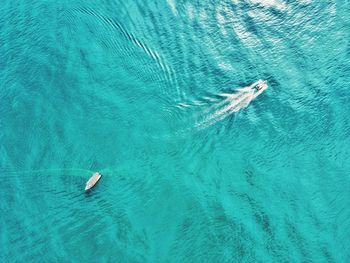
<point>92,181</point>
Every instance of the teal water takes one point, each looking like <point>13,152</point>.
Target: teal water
<point>146,93</point>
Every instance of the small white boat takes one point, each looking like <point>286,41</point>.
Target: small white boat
<point>92,181</point>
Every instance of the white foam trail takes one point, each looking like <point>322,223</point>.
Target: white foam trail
<point>233,103</point>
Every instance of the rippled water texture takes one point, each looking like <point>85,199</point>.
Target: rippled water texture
<point>194,169</point>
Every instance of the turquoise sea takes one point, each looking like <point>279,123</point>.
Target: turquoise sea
<point>155,96</point>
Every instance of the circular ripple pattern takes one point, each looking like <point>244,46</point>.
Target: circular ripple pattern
<point>120,87</point>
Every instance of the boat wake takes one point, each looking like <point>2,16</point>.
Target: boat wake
<point>233,102</point>
<point>202,113</point>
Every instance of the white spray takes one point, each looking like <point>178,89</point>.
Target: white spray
<point>233,102</point>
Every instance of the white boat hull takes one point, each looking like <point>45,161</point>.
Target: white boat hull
<point>92,181</point>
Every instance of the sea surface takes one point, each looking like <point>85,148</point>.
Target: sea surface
<point>157,96</point>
